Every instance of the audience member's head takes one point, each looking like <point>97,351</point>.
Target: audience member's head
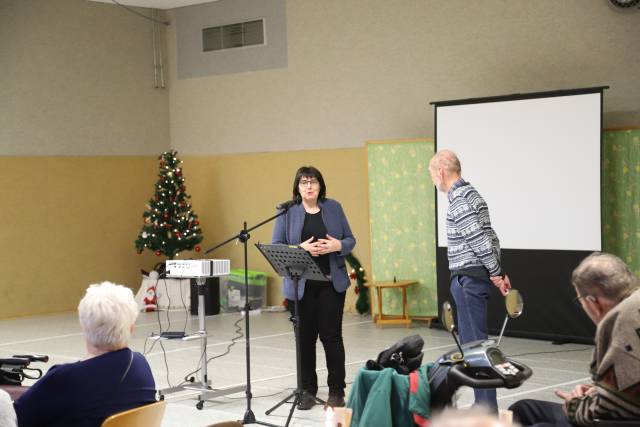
<point>107,315</point>
<point>445,169</point>
<point>474,417</point>
<point>8,416</point>
<point>601,281</point>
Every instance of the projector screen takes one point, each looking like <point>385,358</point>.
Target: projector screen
<point>536,161</point>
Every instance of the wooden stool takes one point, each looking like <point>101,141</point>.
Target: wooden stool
<point>389,319</point>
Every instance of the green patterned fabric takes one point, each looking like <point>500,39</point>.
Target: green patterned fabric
<point>402,223</point>
<point>621,196</point>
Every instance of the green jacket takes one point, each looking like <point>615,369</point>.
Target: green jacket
<point>388,399</point>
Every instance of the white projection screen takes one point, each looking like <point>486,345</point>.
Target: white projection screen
<point>536,162</point>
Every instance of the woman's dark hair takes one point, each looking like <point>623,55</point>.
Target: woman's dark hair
<point>308,172</point>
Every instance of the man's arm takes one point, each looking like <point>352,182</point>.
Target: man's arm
<point>469,227</point>
<point>599,401</point>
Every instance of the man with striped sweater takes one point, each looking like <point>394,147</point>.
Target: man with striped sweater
<point>609,293</point>
<point>473,250</point>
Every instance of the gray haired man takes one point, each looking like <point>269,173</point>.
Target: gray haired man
<point>608,292</point>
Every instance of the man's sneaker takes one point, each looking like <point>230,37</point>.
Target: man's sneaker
<point>335,400</point>
<point>306,402</point>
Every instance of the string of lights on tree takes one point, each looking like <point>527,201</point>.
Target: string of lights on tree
<point>170,224</point>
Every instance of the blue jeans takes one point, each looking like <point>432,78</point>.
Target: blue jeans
<point>471,296</point>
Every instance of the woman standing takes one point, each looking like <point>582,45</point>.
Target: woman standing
<point>320,227</point>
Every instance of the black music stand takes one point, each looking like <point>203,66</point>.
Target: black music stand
<point>294,263</point>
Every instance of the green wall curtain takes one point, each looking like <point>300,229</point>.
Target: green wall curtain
<point>621,195</point>
<point>402,223</point>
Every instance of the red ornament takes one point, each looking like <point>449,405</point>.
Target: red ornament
<point>353,275</point>
<point>158,253</point>
<point>196,222</point>
<point>198,249</point>
<point>139,251</point>
<point>356,290</point>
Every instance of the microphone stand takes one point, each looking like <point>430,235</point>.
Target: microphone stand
<point>244,236</point>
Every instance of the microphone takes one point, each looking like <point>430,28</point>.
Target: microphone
<point>285,205</point>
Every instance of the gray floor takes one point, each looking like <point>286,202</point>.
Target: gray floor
<point>273,360</point>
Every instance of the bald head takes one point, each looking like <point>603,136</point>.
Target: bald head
<point>447,160</point>
<point>444,168</point>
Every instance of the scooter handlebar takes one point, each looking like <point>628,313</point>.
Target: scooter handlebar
<point>457,373</point>
<point>524,369</point>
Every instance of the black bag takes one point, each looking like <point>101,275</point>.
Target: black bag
<point>404,356</point>
<point>12,369</point>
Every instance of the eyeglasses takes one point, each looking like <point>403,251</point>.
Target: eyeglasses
<point>305,182</point>
<point>577,299</point>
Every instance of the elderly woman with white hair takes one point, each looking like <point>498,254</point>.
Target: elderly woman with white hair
<point>110,379</point>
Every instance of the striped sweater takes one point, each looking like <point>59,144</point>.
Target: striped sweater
<point>472,245</point>
<point>615,393</point>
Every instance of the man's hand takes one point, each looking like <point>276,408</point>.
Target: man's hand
<point>310,246</point>
<point>328,245</point>
<point>577,392</point>
<point>503,283</point>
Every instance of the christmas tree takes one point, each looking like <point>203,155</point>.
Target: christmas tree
<point>170,225</point>
<point>358,274</point>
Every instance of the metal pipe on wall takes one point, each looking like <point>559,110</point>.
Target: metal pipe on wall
<point>155,55</point>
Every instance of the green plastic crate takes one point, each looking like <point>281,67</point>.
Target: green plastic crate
<point>232,290</point>
<point>255,278</point>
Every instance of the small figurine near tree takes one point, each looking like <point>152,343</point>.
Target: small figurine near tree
<point>170,224</point>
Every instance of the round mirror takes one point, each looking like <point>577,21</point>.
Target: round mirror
<point>447,316</point>
<point>513,302</point>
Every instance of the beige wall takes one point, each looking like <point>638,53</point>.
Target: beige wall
<point>68,222</point>
<point>77,88</point>
<point>72,221</point>
<point>77,79</point>
<point>367,69</point>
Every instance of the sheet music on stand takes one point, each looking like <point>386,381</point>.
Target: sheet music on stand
<point>289,260</point>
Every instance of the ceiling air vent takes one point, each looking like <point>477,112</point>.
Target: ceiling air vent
<point>230,36</point>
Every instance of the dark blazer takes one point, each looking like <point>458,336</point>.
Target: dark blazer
<point>288,230</point>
